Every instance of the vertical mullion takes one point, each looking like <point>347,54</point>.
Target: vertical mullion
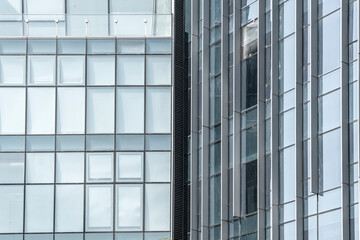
<point>205,123</point>
<point>115,156</point>
<point>194,119</point>
<point>275,121</point>
<point>261,122</point>
<point>236,111</point>
<point>224,118</point>
<point>358,101</point>
<point>345,213</point>
<point>299,120</point>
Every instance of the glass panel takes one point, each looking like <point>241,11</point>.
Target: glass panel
<point>99,142</point>
<point>249,145</point>
<point>353,143</point>
<point>69,208</point>
<point>215,158</point>
<point>130,110</point>
<point>158,110</point>
<point>310,228</point>
<point>287,101</point>
<point>287,231</point>
<point>41,111</point>
<point>287,128</point>
<point>105,46</point>
<point>159,46</point>
<point>130,70</point>
<point>70,110</point>
<point>41,46</point>
<point>40,143</point>
<point>287,18</point>
<point>101,70</point>
<point>11,46</point>
<point>11,168</point>
<point>131,46</point>
<point>71,70</point>
<point>41,70</point>
<point>71,46</point>
<point>130,167</point>
<point>11,237</point>
<point>248,188</point>
<point>287,175</point>
<point>130,142</point>
<point>11,28</point>
<point>249,39</point>
<point>100,110</point>
<point>97,236</point>
<point>11,208</point>
<point>40,167</point>
<point>329,160</point>
<point>330,226</point>
<point>70,143</point>
<point>329,200</point>
<point>129,207</point>
<point>353,26</point>
<point>67,236</point>
<point>128,236</point>
<point>287,212</point>
<point>329,82</point>
<point>215,100</point>
<point>287,64</point>
<point>69,168</point>
<point>248,224</point>
<point>44,7</point>
<point>329,111</point>
<point>12,70</point>
<point>329,43</point>
<point>99,207</point>
<point>158,70</point>
<point>12,143</point>
<point>249,82</point>
<point>327,6</point>
<point>87,6</point>
<point>39,237</point>
<point>354,222</point>
<point>157,167</point>
<point>353,102</point>
<point>10,7</point>
<point>158,142</point>
<point>39,208</point>
<point>249,13</point>
<point>100,167</point>
<point>133,6</point>
<point>12,110</point>
<point>157,207</point>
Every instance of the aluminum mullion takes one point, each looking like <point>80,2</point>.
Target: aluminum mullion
<point>345,210</point>
<point>275,121</point>
<point>205,123</point>
<point>194,121</point>
<point>224,120</point>
<point>236,111</point>
<point>299,203</point>
<point>358,101</point>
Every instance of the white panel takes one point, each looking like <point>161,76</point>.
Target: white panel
<point>12,110</point>
<point>129,207</point>
<point>11,209</point>
<point>41,111</point>
<point>157,167</point>
<point>157,207</point>
<point>100,167</point>
<point>12,70</point>
<point>40,167</point>
<point>41,70</point>
<point>130,166</point>
<point>71,110</point>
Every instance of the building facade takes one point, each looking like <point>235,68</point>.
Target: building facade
<point>85,119</point>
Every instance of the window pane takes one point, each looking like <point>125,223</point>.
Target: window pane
<point>287,64</point>
<point>249,82</point>
<point>41,111</point>
<point>101,46</point>
<point>157,207</point>
<point>327,6</point>
<point>99,142</point>
<point>12,110</point>
<point>12,46</point>
<point>44,7</point>
<point>41,70</point>
<point>310,228</point>
<point>71,70</point>
<point>129,236</point>
<point>40,167</point>
<point>130,110</point>
<point>131,46</point>
<point>158,70</point>
<point>11,168</point>
<point>160,46</point>
<point>67,236</point>
<point>101,70</point>
<point>69,208</point>
<point>287,175</point>
<point>11,208</point>
<point>329,82</point>
<point>12,143</point>
<point>99,208</point>
<point>330,226</point>
<point>70,143</point>
<point>287,18</point>
<point>287,231</point>
<point>70,110</point>
<point>329,111</point>
<point>287,212</point>
<point>100,167</point>
<point>11,7</point>
<point>133,6</point>
<point>249,145</point>
<point>71,46</point>
<point>87,6</point>
<point>39,212</point>
<point>287,128</point>
<point>329,200</point>
<point>41,46</point>
<point>249,188</point>
<point>158,142</point>
<point>157,167</point>
<point>130,70</point>
<point>97,236</point>
<point>69,168</point>
<point>158,110</point>
<point>100,110</point>
<point>129,207</point>
<point>329,160</point>
<point>12,70</point>
<point>329,43</point>
<point>40,143</point>
<point>130,142</point>
<point>130,166</point>
<point>157,235</point>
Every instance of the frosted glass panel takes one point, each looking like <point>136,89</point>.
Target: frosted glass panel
<point>133,6</point>
<point>12,167</point>
<point>130,166</point>
<point>99,208</point>
<point>12,70</point>
<point>41,70</point>
<point>41,111</point>
<point>158,70</point>
<point>87,6</point>
<point>44,6</point>
<point>71,70</point>
<point>39,212</point>
<point>158,110</point>
<point>129,207</point>
<point>100,112</point>
<point>157,207</point>
<point>10,7</point>
<point>71,110</point>
<point>100,167</point>
<point>12,110</point>
<point>130,70</point>
<point>130,110</point>
<point>157,167</point>
<point>11,208</point>
<point>101,70</point>
<point>40,167</point>
<point>69,167</point>
<point>69,208</point>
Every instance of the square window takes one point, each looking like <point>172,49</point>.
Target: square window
<point>158,70</point>
<point>130,70</point>
<point>157,167</point>
<point>69,167</point>
<point>99,167</point>
<point>130,166</point>
<point>41,70</point>
<point>12,168</point>
<point>40,167</point>
<point>12,70</point>
<point>71,70</point>
<point>11,208</point>
<point>101,70</point>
